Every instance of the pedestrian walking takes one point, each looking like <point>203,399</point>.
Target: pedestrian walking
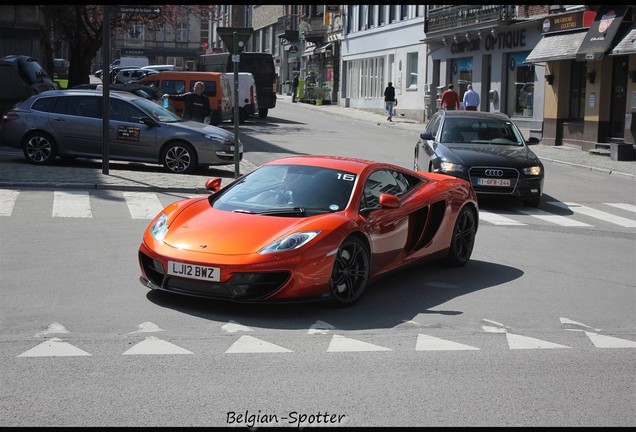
<point>196,104</point>
<point>389,101</point>
<point>295,87</point>
<point>450,99</point>
<point>471,99</point>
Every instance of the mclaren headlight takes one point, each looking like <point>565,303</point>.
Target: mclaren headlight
<point>290,242</point>
<point>159,228</point>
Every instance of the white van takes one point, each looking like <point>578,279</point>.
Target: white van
<point>129,62</point>
<point>247,101</point>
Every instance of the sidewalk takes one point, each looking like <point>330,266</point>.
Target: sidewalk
<point>15,172</point>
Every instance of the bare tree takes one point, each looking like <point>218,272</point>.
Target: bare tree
<point>81,26</point>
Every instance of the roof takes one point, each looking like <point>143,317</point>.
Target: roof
<point>477,114</point>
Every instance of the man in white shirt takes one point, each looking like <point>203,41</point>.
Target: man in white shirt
<point>471,99</point>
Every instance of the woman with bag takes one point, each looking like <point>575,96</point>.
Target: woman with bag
<point>389,101</point>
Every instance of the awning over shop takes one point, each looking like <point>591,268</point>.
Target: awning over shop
<point>601,33</point>
<point>627,45</point>
<point>309,51</point>
<point>561,46</point>
<point>323,48</point>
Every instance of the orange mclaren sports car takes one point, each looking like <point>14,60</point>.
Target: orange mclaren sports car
<point>308,228</point>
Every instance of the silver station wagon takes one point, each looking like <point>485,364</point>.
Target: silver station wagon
<point>68,124</point>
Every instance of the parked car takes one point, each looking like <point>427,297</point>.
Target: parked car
<point>130,75</point>
<point>60,68</point>
<point>485,148</point>
<point>68,123</point>
<point>311,228</point>
<point>20,77</point>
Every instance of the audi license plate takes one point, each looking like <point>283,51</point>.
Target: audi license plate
<point>191,271</point>
<point>493,182</point>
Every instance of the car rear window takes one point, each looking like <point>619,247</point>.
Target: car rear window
<point>44,104</point>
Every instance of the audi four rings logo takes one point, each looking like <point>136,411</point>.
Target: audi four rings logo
<point>494,172</point>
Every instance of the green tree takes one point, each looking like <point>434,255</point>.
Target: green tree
<point>82,27</point>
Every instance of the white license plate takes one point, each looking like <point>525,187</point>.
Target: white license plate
<point>191,271</point>
<point>493,182</point>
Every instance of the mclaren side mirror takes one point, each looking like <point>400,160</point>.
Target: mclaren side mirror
<point>533,141</point>
<point>389,201</point>
<point>213,184</point>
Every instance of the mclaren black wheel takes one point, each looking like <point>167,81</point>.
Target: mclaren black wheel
<point>350,273</point>
<point>463,240</point>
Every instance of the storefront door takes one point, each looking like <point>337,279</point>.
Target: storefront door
<point>619,95</point>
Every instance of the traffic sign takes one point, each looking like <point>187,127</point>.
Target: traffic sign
<point>140,9</point>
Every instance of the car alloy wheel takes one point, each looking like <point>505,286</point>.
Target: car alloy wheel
<point>39,149</point>
<point>463,240</point>
<point>350,272</point>
<point>180,158</point>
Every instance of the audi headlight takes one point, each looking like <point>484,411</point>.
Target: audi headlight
<point>290,242</point>
<point>451,167</point>
<point>160,227</point>
<point>533,170</point>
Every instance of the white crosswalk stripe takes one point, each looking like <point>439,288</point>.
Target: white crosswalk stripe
<point>72,204</point>
<point>143,205</point>
<point>497,219</point>
<point>7,201</point>
<point>552,218</point>
<point>624,206</point>
<point>598,214</point>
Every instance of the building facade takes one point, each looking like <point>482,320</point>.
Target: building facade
<point>587,56</point>
<point>382,44</point>
<point>486,46</point>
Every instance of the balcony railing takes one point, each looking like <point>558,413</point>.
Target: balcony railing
<point>448,17</point>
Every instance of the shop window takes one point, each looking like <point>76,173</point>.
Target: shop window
<point>462,74</point>
<point>411,64</point>
<point>577,91</point>
<point>520,88</point>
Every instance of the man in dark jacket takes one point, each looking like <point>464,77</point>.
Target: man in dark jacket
<point>295,87</point>
<point>389,101</point>
<point>196,104</point>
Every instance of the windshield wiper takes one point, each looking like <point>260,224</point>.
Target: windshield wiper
<point>286,211</point>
